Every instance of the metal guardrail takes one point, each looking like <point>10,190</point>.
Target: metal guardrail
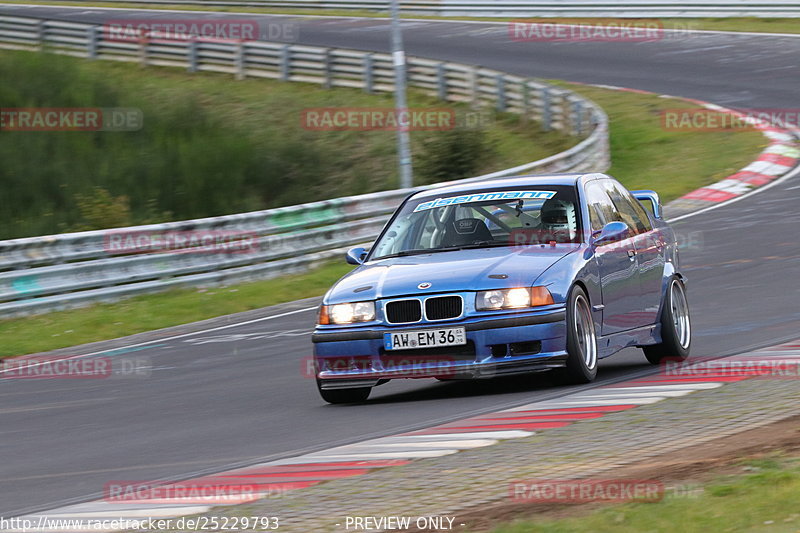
<point>54,272</point>
<point>527,8</point>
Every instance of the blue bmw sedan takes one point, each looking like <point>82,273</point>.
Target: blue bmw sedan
<point>501,277</point>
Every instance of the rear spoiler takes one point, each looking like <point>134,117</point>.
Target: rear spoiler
<point>652,197</point>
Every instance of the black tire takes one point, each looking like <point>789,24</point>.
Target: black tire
<point>581,366</point>
<point>676,329</point>
<point>357,395</point>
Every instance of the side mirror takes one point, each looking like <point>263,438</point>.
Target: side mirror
<point>611,232</point>
<point>649,197</point>
<point>355,256</point>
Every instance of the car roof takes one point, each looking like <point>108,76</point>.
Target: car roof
<point>517,181</point>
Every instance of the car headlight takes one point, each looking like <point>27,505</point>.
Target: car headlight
<point>516,298</point>
<point>347,313</point>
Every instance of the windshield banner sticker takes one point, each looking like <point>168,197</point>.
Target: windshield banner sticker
<point>482,197</point>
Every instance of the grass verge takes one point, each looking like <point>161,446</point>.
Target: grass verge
<point>743,24</point>
<point>644,155</point>
<point>763,500</point>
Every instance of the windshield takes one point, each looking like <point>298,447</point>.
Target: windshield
<point>482,219</point>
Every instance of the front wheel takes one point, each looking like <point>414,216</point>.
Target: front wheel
<point>581,365</point>
<point>676,327</point>
<point>357,395</point>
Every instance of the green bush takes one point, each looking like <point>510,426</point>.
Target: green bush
<point>453,154</point>
<point>209,146</point>
<point>101,210</point>
<point>185,162</point>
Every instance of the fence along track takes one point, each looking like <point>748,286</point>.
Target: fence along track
<point>54,272</point>
<point>523,8</point>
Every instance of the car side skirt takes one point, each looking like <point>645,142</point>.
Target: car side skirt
<point>642,336</point>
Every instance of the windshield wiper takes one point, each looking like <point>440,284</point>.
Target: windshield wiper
<point>405,253</point>
<point>485,244</point>
<point>481,244</point>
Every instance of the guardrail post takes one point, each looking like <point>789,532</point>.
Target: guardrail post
<point>239,60</point>
<point>500,85</point>
<point>41,35</point>
<point>441,82</point>
<point>143,48</point>
<point>192,53</point>
<point>369,76</point>
<point>547,109</point>
<point>577,110</point>
<point>326,65</point>
<point>473,86</point>
<point>526,101</point>
<point>285,59</point>
<point>91,42</point>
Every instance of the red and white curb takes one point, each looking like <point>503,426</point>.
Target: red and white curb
<point>780,157</point>
<point>274,478</point>
<point>776,160</point>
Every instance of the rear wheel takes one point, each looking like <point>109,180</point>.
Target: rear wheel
<point>581,365</point>
<point>357,395</point>
<point>676,327</point>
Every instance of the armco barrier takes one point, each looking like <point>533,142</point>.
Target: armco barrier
<point>40,274</point>
<point>524,8</point>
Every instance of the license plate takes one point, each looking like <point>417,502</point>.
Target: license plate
<point>426,338</point>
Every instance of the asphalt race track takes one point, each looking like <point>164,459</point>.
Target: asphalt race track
<point>238,395</point>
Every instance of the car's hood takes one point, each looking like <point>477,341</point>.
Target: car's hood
<point>477,269</point>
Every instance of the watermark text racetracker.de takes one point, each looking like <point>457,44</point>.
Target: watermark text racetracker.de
<point>397,365</point>
<point>170,30</point>
<point>598,30</point>
<point>604,30</point>
<point>118,242</point>
<point>544,240</point>
<point>733,367</point>
<point>212,492</point>
<point>71,119</point>
<point>71,367</point>
<point>579,491</point>
<point>391,119</point>
<point>704,119</point>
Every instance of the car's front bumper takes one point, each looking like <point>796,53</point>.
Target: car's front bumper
<point>348,357</point>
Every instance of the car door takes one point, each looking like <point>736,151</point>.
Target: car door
<point>616,263</point>
<point>649,244</point>
<point>649,250</point>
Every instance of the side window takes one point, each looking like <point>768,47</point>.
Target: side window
<point>640,210</point>
<point>601,209</point>
<point>627,207</point>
